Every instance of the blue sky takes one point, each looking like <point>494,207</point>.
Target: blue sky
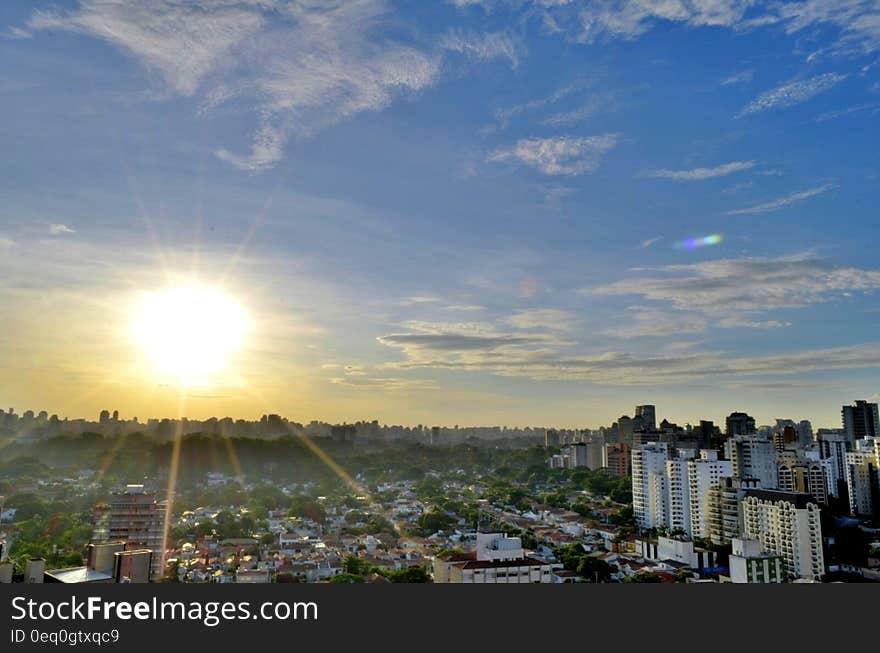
<point>448,212</point>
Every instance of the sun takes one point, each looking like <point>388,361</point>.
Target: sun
<point>190,332</point>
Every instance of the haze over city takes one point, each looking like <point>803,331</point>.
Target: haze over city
<point>467,212</point>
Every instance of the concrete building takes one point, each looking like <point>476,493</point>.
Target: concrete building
<point>786,524</point>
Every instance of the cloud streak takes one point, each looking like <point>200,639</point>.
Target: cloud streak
<point>782,202</point>
<point>700,174</point>
<point>792,93</point>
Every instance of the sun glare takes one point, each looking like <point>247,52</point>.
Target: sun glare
<point>189,333</point>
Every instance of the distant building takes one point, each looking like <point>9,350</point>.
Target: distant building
<point>646,416</point>
<point>832,454</point>
<point>617,459</point>
<point>740,424</point>
<point>786,524</point>
<point>860,420</point>
<point>551,438</point>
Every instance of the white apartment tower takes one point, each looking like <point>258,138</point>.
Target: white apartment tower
<point>704,473</point>
<point>786,524</point>
<point>649,485</point>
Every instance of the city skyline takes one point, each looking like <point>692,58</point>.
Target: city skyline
<point>468,212</point>
<point>845,423</point>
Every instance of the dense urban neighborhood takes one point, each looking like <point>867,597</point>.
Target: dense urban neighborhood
<point>279,502</point>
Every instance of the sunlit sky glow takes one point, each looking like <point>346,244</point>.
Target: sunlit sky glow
<point>513,212</point>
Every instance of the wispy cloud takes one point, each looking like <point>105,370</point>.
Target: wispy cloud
<point>486,46</point>
<point>299,66</point>
<point>792,93</point>
<point>390,385</point>
<point>58,229</point>
<point>742,77</point>
<point>867,109</point>
<point>505,115</point>
<point>563,155</point>
<point>729,287</point>
<point>782,202</point>
<point>852,26</point>
<point>699,174</point>
<point>543,318</point>
<point>598,103</point>
<point>645,244</point>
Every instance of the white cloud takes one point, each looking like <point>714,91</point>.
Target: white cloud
<point>483,46</point>
<point>792,93</point>
<point>563,155</point>
<point>782,202</point>
<point>699,174</point>
<point>58,229</point>
<point>312,65</point>
<point>852,26</point>
<point>184,42</point>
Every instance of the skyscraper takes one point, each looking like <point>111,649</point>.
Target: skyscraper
<point>860,420</point>
<point>740,424</point>
<point>647,416</point>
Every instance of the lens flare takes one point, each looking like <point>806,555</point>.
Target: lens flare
<point>694,243</point>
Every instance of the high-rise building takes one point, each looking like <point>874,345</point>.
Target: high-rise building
<point>647,416</point>
<point>136,518</point>
<point>753,457</point>
<point>740,424</point>
<point>860,420</point>
<point>804,476</point>
<point>551,438</point>
<point>617,459</point>
<point>862,470</point>
<point>786,524</point>
<point>649,485</point>
<point>832,453</point>
<point>678,516</point>
<point>725,509</point>
<point>704,474</point>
